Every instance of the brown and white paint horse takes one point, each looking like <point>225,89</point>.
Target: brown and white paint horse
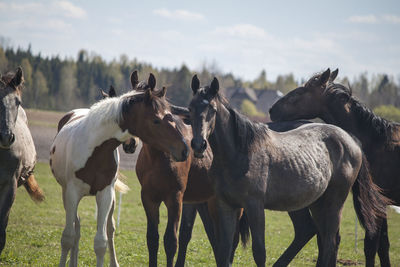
<point>84,160</point>
<point>17,150</point>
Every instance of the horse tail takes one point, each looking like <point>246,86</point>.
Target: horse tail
<point>33,189</point>
<point>120,185</point>
<point>369,203</point>
<point>244,229</point>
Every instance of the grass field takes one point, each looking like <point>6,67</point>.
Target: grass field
<point>34,232</point>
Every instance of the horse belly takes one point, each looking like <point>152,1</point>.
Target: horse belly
<point>297,185</point>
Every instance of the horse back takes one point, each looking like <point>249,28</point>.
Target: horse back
<point>310,158</point>
<point>71,116</point>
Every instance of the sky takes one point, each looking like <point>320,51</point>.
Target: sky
<point>241,37</point>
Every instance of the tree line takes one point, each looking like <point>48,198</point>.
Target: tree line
<point>54,83</point>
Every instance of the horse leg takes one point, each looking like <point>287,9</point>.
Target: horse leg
<point>185,232</point>
<point>236,237</point>
<point>7,195</point>
<point>110,235</point>
<point>104,201</point>
<point>209,221</point>
<point>227,219</point>
<point>174,206</point>
<point>383,250</point>
<point>327,215</point>
<point>256,216</point>
<point>304,230</point>
<point>152,213</point>
<point>71,200</point>
<point>75,248</point>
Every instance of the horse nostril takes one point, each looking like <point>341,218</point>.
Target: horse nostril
<point>12,138</point>
<point>204,145</point>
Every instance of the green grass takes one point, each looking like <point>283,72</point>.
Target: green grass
<point>34,232</point>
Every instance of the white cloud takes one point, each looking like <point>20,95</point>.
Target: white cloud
<point>373,19</point>
<point>391,19</point>
<point>178,14</point>
<point>368,19</point>
<point>33,9</point>
<point>71,10</point>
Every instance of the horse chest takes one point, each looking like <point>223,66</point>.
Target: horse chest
<point>100,168</point>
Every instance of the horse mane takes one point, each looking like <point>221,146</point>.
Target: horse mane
<point>379,127</point>
<point>245,130</point>
<point>111,109</point>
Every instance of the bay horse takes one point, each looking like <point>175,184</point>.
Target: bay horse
<point>314,166</point>
<point>334,103</point>
<point>84,159</point>
<point>17,150</point>
<point>175,183</point>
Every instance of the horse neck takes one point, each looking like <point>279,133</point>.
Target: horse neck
<point>102,123</point>
<point>226,141</point>
<point>347,119</point>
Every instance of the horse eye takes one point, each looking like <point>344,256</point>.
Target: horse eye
<point>17,102</point>
<point>157,121</point>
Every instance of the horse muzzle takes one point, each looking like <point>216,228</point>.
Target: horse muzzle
<point>181,155</point>
<point>130,147</point>
<point>6,140</point>
<point>273,114</point>
<point>198,146</point>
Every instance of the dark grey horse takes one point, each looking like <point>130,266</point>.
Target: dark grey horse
<point>256,168</point>
<point>17,151</point>
<point>334,103</point>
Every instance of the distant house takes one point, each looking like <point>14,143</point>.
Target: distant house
<point>262,99</point>
<point>237,95</point>
<point>266,98</point>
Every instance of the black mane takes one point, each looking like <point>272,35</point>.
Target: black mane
<point>245,130</point>
<point>380,128</point>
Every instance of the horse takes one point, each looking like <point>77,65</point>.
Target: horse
<point>334,103</point>
<point>302,222</point>
<point>314,166</point>
<point>84,160</point>
<point>17,150</point>
<point>174,183</point>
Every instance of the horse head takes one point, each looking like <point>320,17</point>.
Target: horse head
<point>10,100</point>
<point>147,114</point>
<point>202,108</point>
<point>305,102</point>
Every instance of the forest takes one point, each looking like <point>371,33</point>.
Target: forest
<point>54,83</point>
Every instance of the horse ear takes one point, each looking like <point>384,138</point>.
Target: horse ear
<point>195,84</point>
<point>152,81</point>
<point>104,94</point>
<point>111,92</point>
<point>325,77</point>
<point>214,87</point>
<point>17,80</point>
<point>333,75</point>
<point>134,80</point>
<point>163,92</point>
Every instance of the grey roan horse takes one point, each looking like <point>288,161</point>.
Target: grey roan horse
<point>17,151</point>
<point>256,168</point>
